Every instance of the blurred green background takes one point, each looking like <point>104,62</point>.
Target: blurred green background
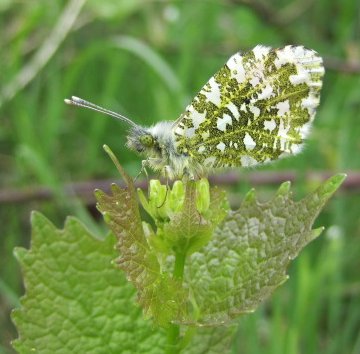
<point>147,59</point>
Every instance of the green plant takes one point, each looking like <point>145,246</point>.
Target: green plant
<point>195,267</point>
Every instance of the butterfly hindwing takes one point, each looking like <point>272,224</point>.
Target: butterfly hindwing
<point>258,107</point>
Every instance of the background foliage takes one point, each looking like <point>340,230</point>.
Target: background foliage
<point>147,59</point>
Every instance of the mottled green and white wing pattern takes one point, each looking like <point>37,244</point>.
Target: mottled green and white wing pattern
<point>258,107</point>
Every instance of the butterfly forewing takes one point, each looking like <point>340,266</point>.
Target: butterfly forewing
<point>258,107</point>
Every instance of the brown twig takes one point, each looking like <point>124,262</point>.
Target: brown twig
<point>84,190</point>
<point>348,67</point>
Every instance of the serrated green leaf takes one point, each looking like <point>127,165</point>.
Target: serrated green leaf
<point>187,230</point>
<point>190,227</point>
<point>248,254</point>
<point>76,301</point>
<point>221,263</point>
<point>160,295</point>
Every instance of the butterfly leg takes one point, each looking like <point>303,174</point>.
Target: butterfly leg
<point>154,163</point>
<point>143,169</point>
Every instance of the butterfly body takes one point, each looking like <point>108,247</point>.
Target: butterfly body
<point>257,108</point>
<point>158,145</point>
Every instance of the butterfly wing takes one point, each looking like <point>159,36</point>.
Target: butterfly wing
<point>258,107</point>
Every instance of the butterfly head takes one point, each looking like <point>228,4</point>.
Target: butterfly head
<point>142,141</point>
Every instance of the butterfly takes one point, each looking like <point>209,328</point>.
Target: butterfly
<point>257,108</point>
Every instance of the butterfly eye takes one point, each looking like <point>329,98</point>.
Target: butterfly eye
<point>147,140</point>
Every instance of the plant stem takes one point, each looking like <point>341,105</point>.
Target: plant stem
<point>179,266</point>
<point>173,332</point>
<point>173,336</point>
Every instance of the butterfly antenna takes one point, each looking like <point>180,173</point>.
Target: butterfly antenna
<point>76,101</point>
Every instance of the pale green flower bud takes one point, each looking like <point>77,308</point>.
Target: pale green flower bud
<point>202,195</point>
